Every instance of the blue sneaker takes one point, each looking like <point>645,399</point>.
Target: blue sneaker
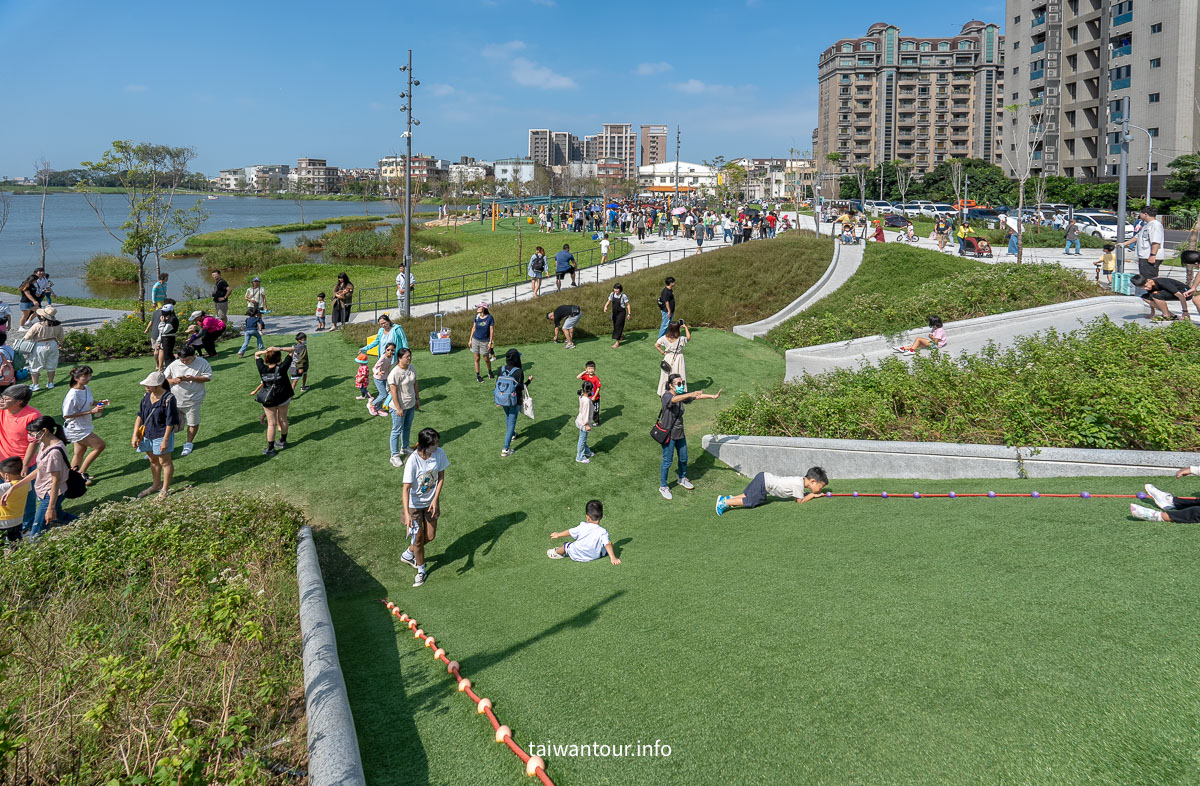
<point>722,505</point>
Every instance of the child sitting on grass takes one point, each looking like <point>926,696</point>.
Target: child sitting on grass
<point>937,337</point>
<point>1181,510</point>
<point>12,513</point>
<point>766,485</point>
<point>590,539</point>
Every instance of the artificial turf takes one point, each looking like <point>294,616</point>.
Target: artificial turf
<point>842,641</point>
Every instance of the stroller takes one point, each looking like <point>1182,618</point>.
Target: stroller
<point>977,247</point>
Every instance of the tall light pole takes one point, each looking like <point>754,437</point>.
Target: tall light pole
<point>676,169</point>
<point>1149,158</point>
<point>407,110</point>
<point>1122,180</point>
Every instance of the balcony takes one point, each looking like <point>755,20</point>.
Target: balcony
<point>1036,101</point>
<point>1037,155</point>
<point>1122,51</point>
<point>1036,75</point>
<point>1038,21</point>
<point>1122,19</point>
<point>1119,84</point>
<point>1038,47</point>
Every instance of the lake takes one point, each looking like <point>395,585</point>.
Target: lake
<point>74,234</point>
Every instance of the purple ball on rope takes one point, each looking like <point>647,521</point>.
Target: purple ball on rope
<point>1085,495</point>
<point>828,493</point>
<point>883,495</point>
<point>953,495</point>
<point>991,495</point>
<point>916,495</point>
<point>1142,495</point>
<point>855,495</point>
<point>1034,494</point>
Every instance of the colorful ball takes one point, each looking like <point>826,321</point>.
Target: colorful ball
<point>534,764</point>
<point>916,495</point>
<point>855,495</point>
<point>438,653</point>
<point>991,495</point>
<point>953,495</point>
<point>463,684</point>
<point>390,605</point>
<point>829,493</point>
<point>503,732</point>
<point>883,495</point>
<point>1034,494</point>
<point>1085,495</point>
<point>1142,495</point>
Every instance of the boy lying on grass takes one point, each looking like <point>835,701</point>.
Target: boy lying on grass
<point>590,539</point>
<point>1182,510</point>
<point>767,485</point>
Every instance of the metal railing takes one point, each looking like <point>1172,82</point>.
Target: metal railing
<point>383,298</point>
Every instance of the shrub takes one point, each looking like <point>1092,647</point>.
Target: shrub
<point>249,256</point>
<point>1084,389</point>
<point>126,337</point>
<point>898,287</point>
<point>171,635</point>
<point>360,245</point>
<point>225,237</point>
<point>111,268</point>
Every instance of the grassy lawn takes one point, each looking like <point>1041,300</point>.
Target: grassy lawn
<point>898,286</point>
<point>869,641</point>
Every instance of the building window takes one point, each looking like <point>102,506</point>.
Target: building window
<point>847,47</point>
<point>1156,62</point>
<point>965,45</point>
<point>1154,98</point>
<point>1153,131</point>
<point>867,47</point>
<point>1016,45</point>
<point>846,62</point>
<point>1156,28</point>
<point>907,46</point>
<point>1017,19</point>
<point>1016,70</point>
<point>944,46</point>
<point>924,46</point>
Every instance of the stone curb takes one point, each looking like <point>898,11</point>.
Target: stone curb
<point>811,295</point>
<point>333,756</point>
<point>861,458</point>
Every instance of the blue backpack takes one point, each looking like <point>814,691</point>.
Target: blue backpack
<point>505,393</point>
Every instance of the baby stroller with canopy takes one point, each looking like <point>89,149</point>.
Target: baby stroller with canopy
<point>977,247</point>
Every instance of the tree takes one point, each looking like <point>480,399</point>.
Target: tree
<point>5,206</point>
<point>734,177</point>
<point>989,184</point>
<point>42,169</point>
<point>301,190</point>
<point>1039,189</point>
<point>149,174</point>
<point>1019,157</point>
<point>860,178</point>
<point>1185,176</point>
<point>904,178</point>
<point>825,167</point>
<point>543,179</point>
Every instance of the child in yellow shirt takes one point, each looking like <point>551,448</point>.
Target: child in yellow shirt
<point>12,513</point>
<point>1107,262</point>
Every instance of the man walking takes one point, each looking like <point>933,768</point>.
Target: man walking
<point>666,304</point>
<point>189,376</point>
<point>1149,242</point>
<point>564,263</point>
<point>1071,238</point>
<point>220,296</point>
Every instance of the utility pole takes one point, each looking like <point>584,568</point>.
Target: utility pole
<point>966,192</point>
<point>1149,158</point>
<point>407,109</point>
<point>676,167</point>
<point>1122,177</point>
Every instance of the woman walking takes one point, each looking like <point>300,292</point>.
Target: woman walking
<point>50,479</point>
<point>536,270</point>
<point>30,299</point>
<point>154,433</point>
<point>510,392</point>
<point>47,336</point>
<point>274,395</point>
<point>620,306</point>
<point>343,297</point>
<point>78,409</point>
<point>424,476</point>
<point>670,345</point>
<point>402,385</point>
<point>671,418</point>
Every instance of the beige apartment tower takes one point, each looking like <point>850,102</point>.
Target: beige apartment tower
<point>888,97</point>
<point>654,145</point>
<point>1070,63</point>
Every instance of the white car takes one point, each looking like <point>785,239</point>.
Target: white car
<point>909,209</point>
<point>877,207</point>
<point>935,209</point>
<point>1100,226</point>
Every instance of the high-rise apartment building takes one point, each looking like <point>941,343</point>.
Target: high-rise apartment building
<point>887,97</point>
<point>654,145</point>
<point>617,142</point>
<point>1071,62</point>
<point>554,148</point>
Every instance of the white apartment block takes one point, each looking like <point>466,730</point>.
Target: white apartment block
<point>262,178</point>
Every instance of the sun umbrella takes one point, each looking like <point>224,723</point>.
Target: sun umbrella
<point>613,204</point>
<point>679,211</point>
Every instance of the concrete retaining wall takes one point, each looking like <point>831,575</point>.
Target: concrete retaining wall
<point>333,757</point>
<point>856,458</point>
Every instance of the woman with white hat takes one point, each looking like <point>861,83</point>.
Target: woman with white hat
<point>154,432</point>
<point>46,336</point>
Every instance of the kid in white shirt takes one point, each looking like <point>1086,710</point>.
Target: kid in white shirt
<point>590,539</point>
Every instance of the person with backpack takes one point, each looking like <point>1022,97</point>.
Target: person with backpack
<point>509,394</point>
<point>669,433</point>
<point>537,270</point>
<point>154,433</point>
<point>52,481</point>
<point>275,395</point>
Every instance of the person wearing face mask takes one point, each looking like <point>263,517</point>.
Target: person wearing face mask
<point>671,419</point>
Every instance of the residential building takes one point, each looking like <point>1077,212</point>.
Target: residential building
<point>554,148</point>
<point>777,178</point>
<point>888,97</point>
<point>1072,62</point>
<point>315,176</point>
<point>424,169</point>
<point>617,141</point>
<point>358,175</point>
<point>660,178</point>
<point>466,173</point>
<point>654,145</point>
<point>263,178</point>
<point>508,170</point>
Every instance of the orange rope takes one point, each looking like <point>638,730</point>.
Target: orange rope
<point>534,765</point>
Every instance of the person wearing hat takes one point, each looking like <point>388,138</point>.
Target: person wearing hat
<point>47,336</point>
<point>154,432</point>
<point>483,337</point>
<point>256,296</point>
<point>879,236</point>
<point>50,478</point>
<point>168,331</point>
<point>512,369</point>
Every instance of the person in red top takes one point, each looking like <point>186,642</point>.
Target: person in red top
<point>15,417</point>
<point>589,375</point>
<point>771,221</point>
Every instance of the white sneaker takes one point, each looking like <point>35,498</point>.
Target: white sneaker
<point>553,554</point>
<point>584,460</point>
<point>1145,514</point>
<point>49,385</point>
<point>35,388</point>
<point>1161,498</point>
<point>187,449</point>
<point>397,460</point>
<point>666,492</point>
<point>687,484</point>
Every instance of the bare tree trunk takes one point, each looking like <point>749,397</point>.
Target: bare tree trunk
<point>43,167</point>
<point>1020,223</point>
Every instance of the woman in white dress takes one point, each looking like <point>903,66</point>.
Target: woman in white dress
<point>670,345</point>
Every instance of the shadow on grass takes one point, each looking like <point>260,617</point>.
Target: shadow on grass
<point>486,535</point>
<point>368,647</point>
<point>431,382</point>
<point>544,429</point>
<point>620,545</point>
<point>608,413</point>
<point>609,442</point>
<point>461,430</point>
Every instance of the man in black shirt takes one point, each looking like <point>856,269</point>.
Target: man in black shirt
<point>666,304</point>
<point>568,316</point>
<point>1158,290</point>
<point>220,296</point>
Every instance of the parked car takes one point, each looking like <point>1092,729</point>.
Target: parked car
<point>911,209</point>
<point>982,214</point>
<point>1101,226</point>
<point>895,222</point>
<point>935,209</point>
<point>878,206</point>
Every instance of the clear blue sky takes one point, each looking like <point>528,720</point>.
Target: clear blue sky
<point>259,81</point>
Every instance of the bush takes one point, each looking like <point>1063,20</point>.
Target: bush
<point>248,256</point>
<point>110,268</point>
<point>126,337</point>
<point>898,287</point>
<point>170,638</point>
<point>1084,389</point>
<point>723,288</point>
<point>360,245</point>
<point>225,237</point>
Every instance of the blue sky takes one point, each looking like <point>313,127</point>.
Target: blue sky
<point>260,81</point>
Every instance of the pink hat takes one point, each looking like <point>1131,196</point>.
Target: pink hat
<point>482,304</point>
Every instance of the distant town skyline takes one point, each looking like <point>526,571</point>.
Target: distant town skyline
<point>271,82</point>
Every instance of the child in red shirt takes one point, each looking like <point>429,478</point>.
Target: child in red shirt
<point>589,375</point>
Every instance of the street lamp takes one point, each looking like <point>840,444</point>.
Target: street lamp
<point>1149,159</point>
<point>407,109</point>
